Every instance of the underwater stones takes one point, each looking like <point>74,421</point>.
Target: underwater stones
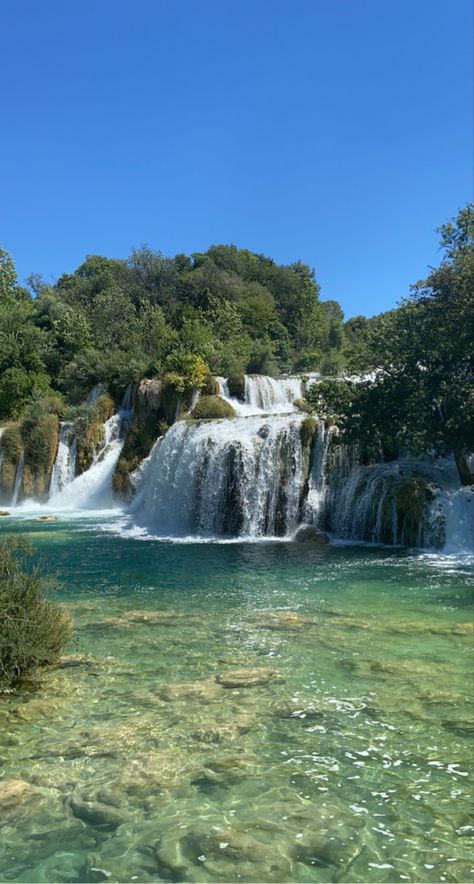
<point>225,730</point>
<point>301,708</point>
<point>95,813</point>
<point>180,691</point>
<point>147,618</point>
<point>73,661</point>
<point>443,698</point>
<point>246,678</point>
<point>222,854</point>
<point>402,668</point>
<point>13,792</point>
<point>310,534</point>
<point>284,620</point>
<point>212,407</point>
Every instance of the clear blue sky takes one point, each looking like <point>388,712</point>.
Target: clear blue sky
<point>337,132</point>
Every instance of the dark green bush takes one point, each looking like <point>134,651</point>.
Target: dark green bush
<point>33,629</point>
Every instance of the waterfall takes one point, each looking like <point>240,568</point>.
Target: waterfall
<point>18,478</point>
<point>64,469</point>
<point>228,478</point>
<point>410,502</point>
<point>264,395</point>
<point>314,510</point>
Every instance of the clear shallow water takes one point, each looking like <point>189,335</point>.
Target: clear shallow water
<point>352,763</point>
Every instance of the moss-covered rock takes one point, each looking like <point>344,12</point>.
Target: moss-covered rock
<point>411,498</point>
<point>148,397</point>
<point>302,405</point>
<point>89,440</point>
<point>11,445</point>
<point>210,407</point>
<point>211,386</point>
<point>140,438</point>
<point>40,441</point>
<point>308,428</point>
<point>236,386</point>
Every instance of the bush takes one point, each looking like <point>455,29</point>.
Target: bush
<point>210,407</point>
<point>33,629</point>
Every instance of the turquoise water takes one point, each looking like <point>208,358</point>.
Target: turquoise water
<point>143,757</point>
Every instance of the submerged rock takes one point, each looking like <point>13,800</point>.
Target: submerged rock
<point>246,678</point>
<point>95,813</point>
<point>310,534</point>
<point>285,620</point>
<point>133,618</point>
<point>186,690</point>
<point>15,791</point>
<point>47,519</point>
<point>4,513</point>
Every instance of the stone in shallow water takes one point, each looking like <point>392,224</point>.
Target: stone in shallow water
<point>224,729</point>
<point>4,513</point>
<point>47,519</point>
<point>147,618</point>
<point>14,792</point>
<point>310,534</point>
<point>285,620</point>
<point>246,678</point>
<point>186,690</point>
<point>71,661</point>
<point>223,855</point>
<point>95,813</point>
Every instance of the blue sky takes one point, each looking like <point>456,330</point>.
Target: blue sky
<point>336,132</point>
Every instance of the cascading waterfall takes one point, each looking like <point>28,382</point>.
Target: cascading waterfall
<point>18,478</point>
<point>93,488</point>
<point>231,478</point>
<point>64,469</point>
<point>314,510</point>
<point>264,395</point>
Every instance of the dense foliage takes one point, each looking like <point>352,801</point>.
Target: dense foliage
<point>113,321</point>
<point>421,396</point>
<point>33,629</point>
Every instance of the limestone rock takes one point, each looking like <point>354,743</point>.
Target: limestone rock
<point>246,678</point>
<point>310,534</point>
<point>14,791</point>
<point>4,513</point>
<point>96,813</point>
<point>149,396</point>
<point>189,690</point>
<point>47,518</point>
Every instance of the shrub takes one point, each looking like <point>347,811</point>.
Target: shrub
<point>210,407</point>
<point>33,629</point>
